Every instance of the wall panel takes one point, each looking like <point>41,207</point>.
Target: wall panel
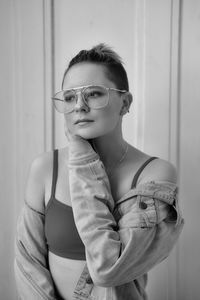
<point>7,178</point>
<point>157,67</point>
<point>189,262</point>
<point>24,115</point>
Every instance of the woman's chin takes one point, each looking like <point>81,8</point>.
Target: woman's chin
<point>88,134</point>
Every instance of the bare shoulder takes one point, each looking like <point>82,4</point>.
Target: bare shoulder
<point>159,170</point>
<point>40,173</point>
<point>35,186</point>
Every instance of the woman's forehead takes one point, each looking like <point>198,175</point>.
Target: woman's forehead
<point>86,73</point>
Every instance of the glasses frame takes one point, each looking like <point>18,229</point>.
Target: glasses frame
<point>81,90</point>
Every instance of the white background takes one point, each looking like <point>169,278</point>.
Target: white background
<point>159,41</point>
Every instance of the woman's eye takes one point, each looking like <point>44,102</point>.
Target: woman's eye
<point>69,98</point>
<point>93,94</point>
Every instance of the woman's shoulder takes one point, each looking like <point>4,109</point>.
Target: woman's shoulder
<point>159,170</point>
<point>40,164</point>
<point>39,171</point>
<point>43,162</point>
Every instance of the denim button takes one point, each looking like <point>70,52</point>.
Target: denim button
<point>89,280</point>
<point>142,205</point>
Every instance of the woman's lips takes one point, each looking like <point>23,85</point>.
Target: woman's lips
<point>84,123</point>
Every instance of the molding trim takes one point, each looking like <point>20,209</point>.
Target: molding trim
<point>170,278</point>
<point>174,129</point>
<point>140,69</point>
<point>174,82</point>
<point>48,36</point>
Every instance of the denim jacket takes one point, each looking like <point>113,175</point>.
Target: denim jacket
<point>123,239</point>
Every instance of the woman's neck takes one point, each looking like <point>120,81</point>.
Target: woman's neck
<point>110,147</point>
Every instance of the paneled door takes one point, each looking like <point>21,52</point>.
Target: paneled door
<point>159,41</point>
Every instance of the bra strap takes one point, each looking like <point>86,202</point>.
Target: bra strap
<point>55,172</point>
<point>139,171</point>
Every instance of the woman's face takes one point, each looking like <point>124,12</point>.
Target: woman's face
<point>104,120</point>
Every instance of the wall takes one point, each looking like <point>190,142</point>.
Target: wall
<point>25,113</point>
<point>189,149</point>
<point>160,43</point>
<point>101,22</point>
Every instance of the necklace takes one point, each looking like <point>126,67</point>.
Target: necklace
<point>110,171</point>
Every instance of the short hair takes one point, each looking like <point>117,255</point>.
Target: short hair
<point>103,55</point>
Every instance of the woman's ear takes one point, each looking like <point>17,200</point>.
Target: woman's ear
<point>127,99</point>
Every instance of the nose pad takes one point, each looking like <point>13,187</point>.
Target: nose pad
<point>80,103</point>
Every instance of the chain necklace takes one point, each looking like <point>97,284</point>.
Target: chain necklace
<point>110,171</point>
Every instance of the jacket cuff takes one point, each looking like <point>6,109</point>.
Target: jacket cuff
<point>81,152</point>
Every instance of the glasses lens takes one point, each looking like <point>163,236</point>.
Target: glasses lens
<point>96,96</point>
<point>64,101</point>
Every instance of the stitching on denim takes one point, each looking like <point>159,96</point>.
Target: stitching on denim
<point>157,210</point>
<point>83,273</point>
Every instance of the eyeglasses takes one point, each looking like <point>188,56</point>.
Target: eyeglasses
<point>94,96</point>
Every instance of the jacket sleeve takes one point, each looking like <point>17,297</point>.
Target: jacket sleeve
<point>118,250</point>
<point>33,278</point>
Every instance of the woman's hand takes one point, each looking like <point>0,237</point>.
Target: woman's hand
<point>78,144</point>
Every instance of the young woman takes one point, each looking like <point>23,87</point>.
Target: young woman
<point>99,213</point>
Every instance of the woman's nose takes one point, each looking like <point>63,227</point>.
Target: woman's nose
<point>80,103</point>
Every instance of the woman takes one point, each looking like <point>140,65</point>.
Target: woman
<point>99,214</point>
